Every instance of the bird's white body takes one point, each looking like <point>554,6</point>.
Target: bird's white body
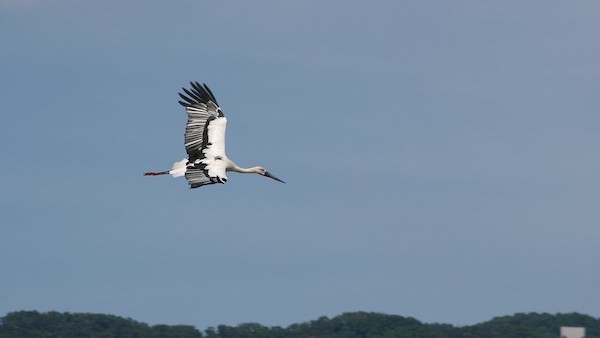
<point>207,162</point>
<point>215,159</point>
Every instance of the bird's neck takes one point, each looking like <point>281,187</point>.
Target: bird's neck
<point>244,170</point>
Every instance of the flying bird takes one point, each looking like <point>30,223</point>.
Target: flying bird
<point>207,162</point>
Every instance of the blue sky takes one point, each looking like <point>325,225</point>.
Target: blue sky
<point>441,159</point>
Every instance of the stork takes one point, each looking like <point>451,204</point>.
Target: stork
<point>207,162</point>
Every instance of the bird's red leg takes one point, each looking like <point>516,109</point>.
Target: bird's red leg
<point>155,173</point>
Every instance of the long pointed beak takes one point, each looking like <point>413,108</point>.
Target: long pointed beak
<point>268,174</point>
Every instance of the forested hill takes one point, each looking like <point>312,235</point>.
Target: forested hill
<point>32,324</point>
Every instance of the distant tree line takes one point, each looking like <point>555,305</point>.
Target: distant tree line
<point>33,324</point>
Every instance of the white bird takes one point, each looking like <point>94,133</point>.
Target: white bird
<point>207,162</point>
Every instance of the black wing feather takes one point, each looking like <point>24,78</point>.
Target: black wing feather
<point>211,94</point>
<point>192,95</point>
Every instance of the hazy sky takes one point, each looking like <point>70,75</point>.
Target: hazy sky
<point>441,157</point>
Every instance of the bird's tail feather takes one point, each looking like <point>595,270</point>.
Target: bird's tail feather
<point>179,168</point>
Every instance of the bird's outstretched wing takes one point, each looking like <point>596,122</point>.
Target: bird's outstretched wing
<point>204,136</point>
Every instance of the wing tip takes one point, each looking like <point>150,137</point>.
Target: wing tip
<point>198,93</point>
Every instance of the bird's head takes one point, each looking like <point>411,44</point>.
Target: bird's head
<point>262,171</point>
